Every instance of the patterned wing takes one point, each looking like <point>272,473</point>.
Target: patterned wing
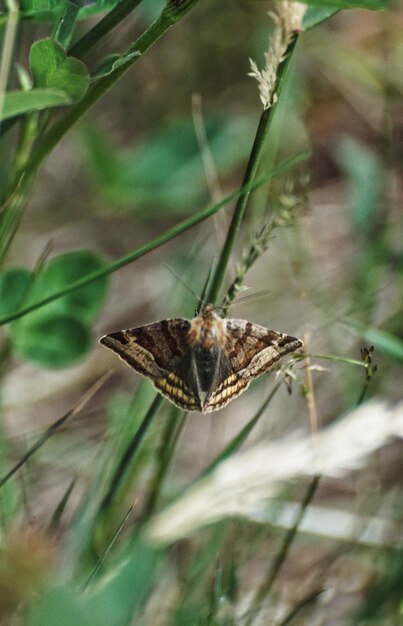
<point>230,388</point>
<point>252,349</point>
<point>156,351</point>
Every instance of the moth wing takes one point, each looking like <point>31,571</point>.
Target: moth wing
<point>230,387</point>
<point>156,351</point>
<point>250,350</point>
<point>253,349</point>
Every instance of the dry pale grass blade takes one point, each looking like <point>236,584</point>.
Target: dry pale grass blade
<point>242,484</point>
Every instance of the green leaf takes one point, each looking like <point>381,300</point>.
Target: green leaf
<point>83,304</point>
<point>315,16</point>
<point>111,63</point>
<point>42,5</point>
<point>113,603</point>
<point>55,341</point>
<point>58,335</point>
<point>42,9</point>
<point>125,588</point>
<point>67,21</point>
<point>14,285</point>
<point>62,607</point>
<point>19,102</point>
<point>52,68</point>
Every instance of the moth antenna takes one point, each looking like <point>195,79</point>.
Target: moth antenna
<point>251,296</point>
<point>182,282</point>
<point>207,283</point>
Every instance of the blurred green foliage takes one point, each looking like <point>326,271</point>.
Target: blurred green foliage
<point>163,171</point>
<point>59,333</point>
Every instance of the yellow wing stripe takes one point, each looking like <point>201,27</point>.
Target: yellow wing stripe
<point>174,391</point>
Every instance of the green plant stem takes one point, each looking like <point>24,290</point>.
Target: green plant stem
<point>169,440</point>
<point>330,357</point>
<point>129,453</point>
<point>102,28</point>
<point>249,176</point>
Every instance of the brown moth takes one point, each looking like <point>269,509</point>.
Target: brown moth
<point>204,363</point>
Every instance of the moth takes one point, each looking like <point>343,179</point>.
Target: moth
<point>204,363</point>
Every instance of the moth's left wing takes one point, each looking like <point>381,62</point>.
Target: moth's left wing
<point>155,351</point>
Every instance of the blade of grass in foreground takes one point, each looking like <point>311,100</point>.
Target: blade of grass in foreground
<point>129,453</point>
<point>78,548</point>
<point>169,440</point>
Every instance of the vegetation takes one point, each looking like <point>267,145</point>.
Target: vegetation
<point>126,197</point>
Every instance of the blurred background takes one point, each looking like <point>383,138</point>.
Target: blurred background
<point>332,273</point>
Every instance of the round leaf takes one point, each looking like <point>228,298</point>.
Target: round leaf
<point>55,341</point>
<point>14,284</point>
<point>51,67</point>
<point>61,271</point>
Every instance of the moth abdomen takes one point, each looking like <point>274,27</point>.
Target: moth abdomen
<point>206,363</point>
